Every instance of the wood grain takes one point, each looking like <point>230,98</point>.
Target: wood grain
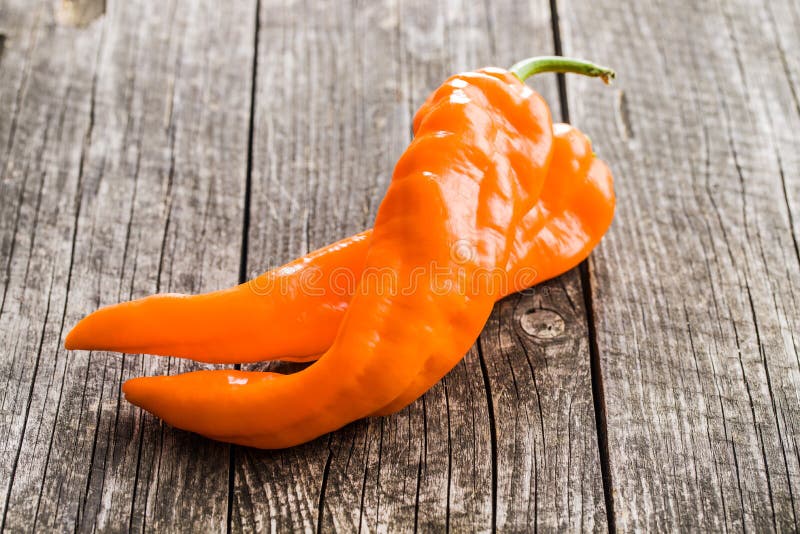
<point>507,439</point>
<point>696,290</point>
<point>124,165</point>
<point>138,151</point>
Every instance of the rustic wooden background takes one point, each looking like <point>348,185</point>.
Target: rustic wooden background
<point>186,145</point>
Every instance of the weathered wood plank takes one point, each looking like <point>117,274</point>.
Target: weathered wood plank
<point>337,85</point>
<point>697,287</point>
<point>125,172</point>
<point>536,350</point>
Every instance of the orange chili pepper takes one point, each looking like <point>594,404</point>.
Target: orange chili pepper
<point>573,213</point>
<point>293,312</point>
<point>477,165</point>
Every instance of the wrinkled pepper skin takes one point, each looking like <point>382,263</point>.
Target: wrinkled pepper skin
<point>573,213</point>
<point>293,312</point>
<point>476,166</point>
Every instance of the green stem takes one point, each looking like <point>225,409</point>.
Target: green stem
<point>534,65</point>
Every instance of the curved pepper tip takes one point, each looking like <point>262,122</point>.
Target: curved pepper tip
<point>75,340</point>
<point>97,330</point>
<point>145,392</point>
<point>133,390</point>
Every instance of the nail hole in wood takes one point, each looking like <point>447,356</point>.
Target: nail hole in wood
<point>624,115</point>
<point>542,323</point>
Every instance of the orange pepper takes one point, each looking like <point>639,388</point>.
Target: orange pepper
<point>293,312</point>
<point>573,213</point>
<point>477,165</point>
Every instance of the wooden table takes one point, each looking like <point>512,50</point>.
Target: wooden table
<point>183,146</point>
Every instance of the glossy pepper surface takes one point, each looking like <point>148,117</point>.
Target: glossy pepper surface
<point>476,167</point>
<point>293,312</point>
<point>478,161</point>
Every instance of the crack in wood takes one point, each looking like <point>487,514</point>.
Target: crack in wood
<point>492,431</point>
<point>598,395</point>
<point>623,112</point>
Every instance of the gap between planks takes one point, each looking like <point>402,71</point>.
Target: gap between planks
<point>598,392</point>
<point>245,230</point>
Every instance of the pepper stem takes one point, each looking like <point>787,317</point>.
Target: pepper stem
<point>534,65</point>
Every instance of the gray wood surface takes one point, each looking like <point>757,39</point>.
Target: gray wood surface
<point>696,290</point>
<point>124,165</point>
<point>185,146</point>
<point>336,87</point>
